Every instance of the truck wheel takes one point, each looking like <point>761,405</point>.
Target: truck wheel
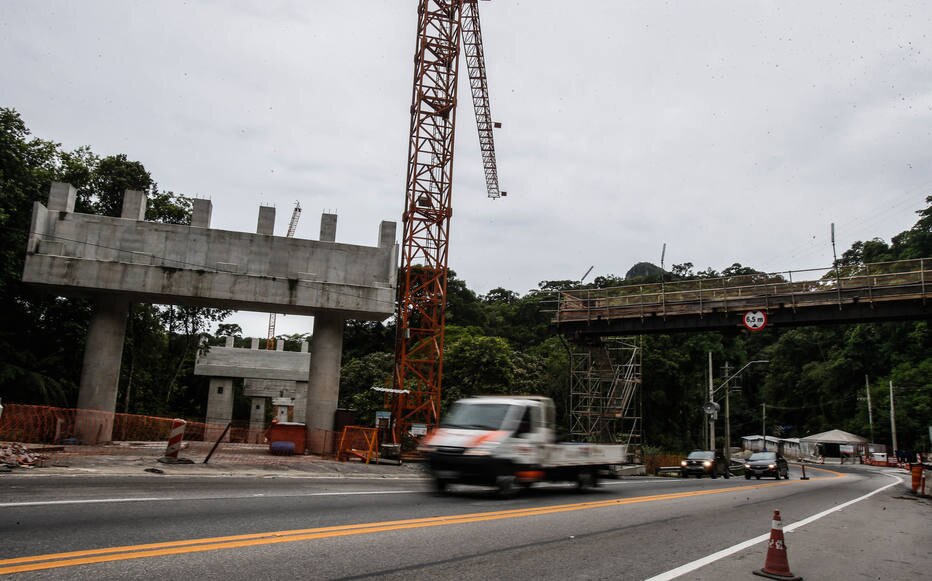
<point>440,486</point>
<point>506,486</point>
<point>586,479</point>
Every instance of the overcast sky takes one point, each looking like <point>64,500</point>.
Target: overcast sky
<point>731,131</point>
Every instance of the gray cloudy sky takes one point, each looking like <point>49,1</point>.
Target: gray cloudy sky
<point>731,131</point>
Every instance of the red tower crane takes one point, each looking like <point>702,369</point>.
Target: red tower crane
<point>442,26</point>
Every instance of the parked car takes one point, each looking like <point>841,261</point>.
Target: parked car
<point>701,462</point>
<point>766,464</point>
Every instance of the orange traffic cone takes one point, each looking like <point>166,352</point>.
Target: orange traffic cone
<point>776,565</point>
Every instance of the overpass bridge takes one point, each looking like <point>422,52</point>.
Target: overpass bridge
<point>887,291</point>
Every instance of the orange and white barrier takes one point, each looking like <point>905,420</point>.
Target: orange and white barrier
<point>174,438</point>
<point>777,565</point>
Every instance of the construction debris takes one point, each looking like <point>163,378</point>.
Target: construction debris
<point>13,455</point>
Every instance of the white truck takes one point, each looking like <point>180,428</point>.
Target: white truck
<point>509,441</point>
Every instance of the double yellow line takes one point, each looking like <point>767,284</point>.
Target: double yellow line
<point>109,554</point>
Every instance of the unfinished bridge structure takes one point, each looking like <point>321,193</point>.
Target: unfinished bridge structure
<point>115,261</point>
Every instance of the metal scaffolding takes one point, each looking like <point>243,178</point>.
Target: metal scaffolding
<point>605,394</point>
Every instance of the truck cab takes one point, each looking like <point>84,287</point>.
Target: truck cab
<point>502,441</point>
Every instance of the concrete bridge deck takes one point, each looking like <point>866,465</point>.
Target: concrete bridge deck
<point>897,290</point>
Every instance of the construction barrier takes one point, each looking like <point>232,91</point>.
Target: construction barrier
<point>358,442</point>
<point>174,439</point>
<point>776,565</point>
<point>291,432</point>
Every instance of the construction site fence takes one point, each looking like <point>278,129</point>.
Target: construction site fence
<point>37,425</point>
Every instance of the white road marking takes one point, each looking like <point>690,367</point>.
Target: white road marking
<point>174,498</point>
<point>689,567</point>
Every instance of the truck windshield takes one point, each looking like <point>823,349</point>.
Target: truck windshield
<point>476,416</point>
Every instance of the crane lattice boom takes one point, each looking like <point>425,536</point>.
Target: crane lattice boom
<point>442,24</point>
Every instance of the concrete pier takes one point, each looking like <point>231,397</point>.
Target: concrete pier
<point>323,384</point>
<point>100,371</point>
<point>118,260</point>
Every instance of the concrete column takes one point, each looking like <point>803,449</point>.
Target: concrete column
<point>200,213</point>
<point>328,227</point>
<point>134,205</point>
<point>61,197</point>
<point>323,384</point>
<point>219,407</point>
<point>300,401</point>
<point>253,342</point>
<point>256,420</point>
<point>100,371</point>
<point>387,234</point>
<point>266,223</point>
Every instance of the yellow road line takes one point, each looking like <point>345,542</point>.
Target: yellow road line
<point>90,556</point>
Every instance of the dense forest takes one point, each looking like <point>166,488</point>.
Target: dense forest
<point>498,342</point>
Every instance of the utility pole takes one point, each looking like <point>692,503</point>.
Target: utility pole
<point>870,413</point>
<point>892,419</point>
<point>712,401</point>
<point>727,413</point>
<point>763,425</point>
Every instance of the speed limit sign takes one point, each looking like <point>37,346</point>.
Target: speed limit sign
<point>755,320</point>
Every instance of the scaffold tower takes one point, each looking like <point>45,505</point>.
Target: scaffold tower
<point>605,394</point>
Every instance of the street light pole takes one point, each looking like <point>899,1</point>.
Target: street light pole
<point>763,424</point>
<point>893,419</point>
<point>870,413</point>
<point>712,399</point>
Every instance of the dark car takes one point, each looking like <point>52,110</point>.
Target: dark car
<point>701,462</point>
<point>766,464</point>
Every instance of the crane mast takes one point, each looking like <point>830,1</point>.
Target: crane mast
<point>442,25</point>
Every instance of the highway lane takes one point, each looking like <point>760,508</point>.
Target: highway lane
<point>390,528</point>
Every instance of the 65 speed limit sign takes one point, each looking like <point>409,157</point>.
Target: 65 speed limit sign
<point>755,320</point>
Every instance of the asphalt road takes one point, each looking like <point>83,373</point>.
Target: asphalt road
<point>231,528</point>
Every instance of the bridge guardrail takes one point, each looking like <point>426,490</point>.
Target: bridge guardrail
<point>884,281</point>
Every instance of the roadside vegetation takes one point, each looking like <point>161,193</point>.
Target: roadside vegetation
<point>497,342</point>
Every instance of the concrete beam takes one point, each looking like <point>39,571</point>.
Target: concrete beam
<point>80,254</point>
<point>253,363</point>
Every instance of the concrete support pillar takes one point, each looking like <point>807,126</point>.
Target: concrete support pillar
<point>323,385</point>
<point>300,401</point>
<point>256,420</point>
<point>266,223</point>
<point>61,197</point>
<point>219,407</point>
<point>100,371</point>
<point>328,227</point>
<point>134,205</point>
<point>200,213</point>
<point>386,234</point>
